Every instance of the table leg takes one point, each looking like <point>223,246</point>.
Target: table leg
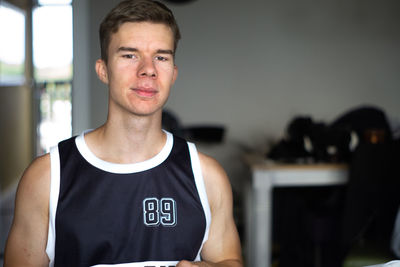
<point>259,222</point>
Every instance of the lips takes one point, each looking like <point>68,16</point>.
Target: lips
<point>145,92</point>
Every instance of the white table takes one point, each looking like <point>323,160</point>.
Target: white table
<point>266,176</point>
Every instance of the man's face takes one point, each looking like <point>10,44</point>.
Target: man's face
<point>140,69</point>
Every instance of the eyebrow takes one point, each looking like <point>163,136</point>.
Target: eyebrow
<point>126,49</point>
<point>132,49</point>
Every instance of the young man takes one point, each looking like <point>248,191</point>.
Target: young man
<point>127,192</point>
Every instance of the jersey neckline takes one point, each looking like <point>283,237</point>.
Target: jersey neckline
<point>88,155</point>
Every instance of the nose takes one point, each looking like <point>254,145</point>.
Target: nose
<point>147,69</point>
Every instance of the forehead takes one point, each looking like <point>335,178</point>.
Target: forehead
<point>143,34</point>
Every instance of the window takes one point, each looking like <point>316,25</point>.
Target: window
<point>12,45</point>
<point>52,42</point>
<point>52,60</point>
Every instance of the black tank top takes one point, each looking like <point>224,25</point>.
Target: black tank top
<point>153,213</point>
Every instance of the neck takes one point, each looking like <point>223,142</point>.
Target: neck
<point>128,140</point>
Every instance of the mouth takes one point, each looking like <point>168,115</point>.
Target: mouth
<point>145,92</point>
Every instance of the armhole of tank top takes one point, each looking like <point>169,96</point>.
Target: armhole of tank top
<point>201,188</point>
<point>54,193</point>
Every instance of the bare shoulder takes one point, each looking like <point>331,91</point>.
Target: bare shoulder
<point>35,182</point>
<point>28,235</point>
<point>209,163</point>
<point>33,190</point>
<point>212,170</point>
<point>216,181</point>
<point>39,167</point>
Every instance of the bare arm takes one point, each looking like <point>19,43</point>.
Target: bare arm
<point>223,245</point>
<point>27,239</point>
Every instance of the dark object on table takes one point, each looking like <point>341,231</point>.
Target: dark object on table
<point>307,140</point>
<point>171,123</point>
<point>205,133</point>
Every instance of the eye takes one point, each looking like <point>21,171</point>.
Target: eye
<point>161,58</point>
<point>129,56</point>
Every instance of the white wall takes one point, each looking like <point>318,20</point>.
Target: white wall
<point>81,61</point>
<point>253,65</point>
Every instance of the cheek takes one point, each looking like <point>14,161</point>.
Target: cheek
<point>122,74</point>
<point>166,73</point>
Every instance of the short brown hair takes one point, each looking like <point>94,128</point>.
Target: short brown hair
<point>135,11</point>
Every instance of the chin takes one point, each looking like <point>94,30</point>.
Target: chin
<point>147,112</point>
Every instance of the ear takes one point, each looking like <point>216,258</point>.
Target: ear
<point>101,70</point>
<point>175,74</point>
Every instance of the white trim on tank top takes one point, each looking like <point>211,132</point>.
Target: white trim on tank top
<point>53,202</point>
<point>124,168</point>
<point>201,189</point>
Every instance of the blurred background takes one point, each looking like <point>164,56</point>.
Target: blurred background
<point>247,66</point>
